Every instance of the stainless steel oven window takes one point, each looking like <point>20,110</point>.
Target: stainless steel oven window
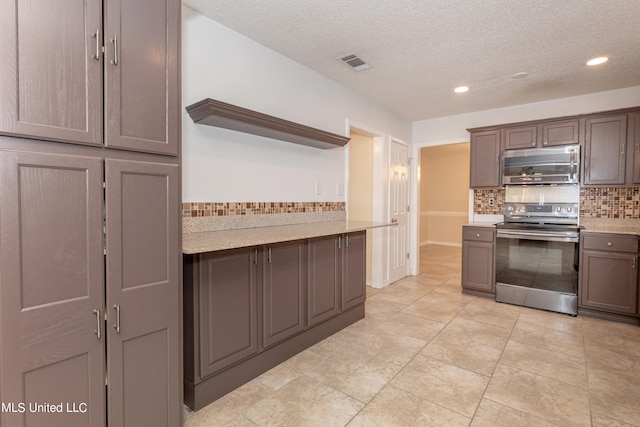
<point>537,264</point>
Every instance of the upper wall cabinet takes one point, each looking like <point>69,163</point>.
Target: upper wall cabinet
<point>485,159</point>
<point>635,139</point>
<point>545,134</point>
<point>84,75</point>
<point>605,150</point>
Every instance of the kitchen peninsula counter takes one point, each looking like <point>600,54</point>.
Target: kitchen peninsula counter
<point>254,297</point>
<point>209,241</point>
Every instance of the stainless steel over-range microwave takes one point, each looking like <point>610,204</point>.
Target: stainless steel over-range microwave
<point>553,165</point>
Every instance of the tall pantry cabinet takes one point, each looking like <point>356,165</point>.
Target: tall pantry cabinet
<point>90,231</point>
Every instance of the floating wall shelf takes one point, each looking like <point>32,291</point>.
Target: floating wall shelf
<point>220,114</point>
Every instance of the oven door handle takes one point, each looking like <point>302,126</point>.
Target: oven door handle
<point>535,235</point>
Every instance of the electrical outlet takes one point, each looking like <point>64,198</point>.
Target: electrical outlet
<point>492,201</point>
<point>340,190</point>
<point>318,188</point>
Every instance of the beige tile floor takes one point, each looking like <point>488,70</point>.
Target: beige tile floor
<point>426,355</point>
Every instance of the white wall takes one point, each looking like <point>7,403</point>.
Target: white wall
<point>452,129</point>
<point>227,166</point>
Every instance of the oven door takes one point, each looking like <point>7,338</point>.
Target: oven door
<point>538,269</point>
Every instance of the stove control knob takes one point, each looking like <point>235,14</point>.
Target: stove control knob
<point>558,209</point>
<point>569,209</point>
<point>510,208</point>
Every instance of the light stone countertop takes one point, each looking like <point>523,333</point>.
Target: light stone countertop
<point>616,226</point>
<point>209,241</point>
<point>480,224</point>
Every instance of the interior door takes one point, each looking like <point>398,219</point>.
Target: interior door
<point>143,294</point>
<point>399,206</point>
<point>51,289</point>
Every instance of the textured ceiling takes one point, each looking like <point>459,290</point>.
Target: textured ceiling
<point>419,50</point>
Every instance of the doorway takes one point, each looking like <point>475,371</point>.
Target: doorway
<point>444,193</point>
<point>360,188</point>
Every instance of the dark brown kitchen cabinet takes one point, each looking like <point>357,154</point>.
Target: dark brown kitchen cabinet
<point>247,309</point>
<point>563,132</point>
<point>605,150</point>
<point>96,73</point>
<point>485,159</point>
<point>609,273</point>
<point>635,141</point>
<point>89,287</point>
<point>521,137</point>
<point>354,269</point>
<point>283,302</point>
<point>540,135</point>
<point>478,260</point>
<point>228,308</point>
<point>324,278</point>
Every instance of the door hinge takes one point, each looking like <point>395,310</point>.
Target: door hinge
<point>408,208</point>
<point>407,255</point>
<point>104,184</point>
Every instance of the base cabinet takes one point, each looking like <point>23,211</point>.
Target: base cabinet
<point>247,310</point>
<point>283,281</point>
<point>478,260</point>
<point>609,273</point>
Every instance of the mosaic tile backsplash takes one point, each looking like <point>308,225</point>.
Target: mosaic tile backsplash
<point>220,209</point>
<point>595,202</point>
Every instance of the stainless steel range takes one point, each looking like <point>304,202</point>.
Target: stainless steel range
<point>537,248</point>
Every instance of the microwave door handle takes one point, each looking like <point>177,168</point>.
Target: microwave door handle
<point>572,166</point>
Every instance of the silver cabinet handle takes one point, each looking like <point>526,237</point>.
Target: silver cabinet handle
<point>114,42</point>
<point>633,263</point>
<point>98,332</point>
<point>116,307</point>
<point>96,36</point>
<point>269,255</point>
<point>394,220</point>
<point>339,242</point>
<point>609,244</point>
<point>255,257</point>
<point>346,240</point>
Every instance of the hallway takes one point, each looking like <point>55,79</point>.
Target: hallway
<point>427,355</point>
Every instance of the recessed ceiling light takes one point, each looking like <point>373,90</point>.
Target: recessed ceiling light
<point>461,89</point>
<point>598,60</point>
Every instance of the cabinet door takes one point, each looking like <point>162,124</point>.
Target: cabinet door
<point>560,133</point>
<point>283,291</point>
<point>142,75</point>
<point>228,284</point>
<point>605,158</point>
<point>51,281</point>
<point>485,159</point>
<point>636,148</point>
<point>478,266</point>
<point>143,293</point>
<point>521,137</point>
<point>51,85</point>
<point>609,281</point>
<point>324,276</point>
<point>354,267</point>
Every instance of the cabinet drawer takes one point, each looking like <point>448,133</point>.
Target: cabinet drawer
<point>478,234</point>
<point>608,242</point>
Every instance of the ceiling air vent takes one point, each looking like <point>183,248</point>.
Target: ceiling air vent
<point>354,62</point>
